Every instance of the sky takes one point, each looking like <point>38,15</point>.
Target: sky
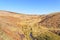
<point>31,6</point>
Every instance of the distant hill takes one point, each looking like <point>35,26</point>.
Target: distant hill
<point>17,26</point>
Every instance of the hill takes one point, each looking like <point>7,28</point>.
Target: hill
<point>15,26</point>
<point>52,21</point>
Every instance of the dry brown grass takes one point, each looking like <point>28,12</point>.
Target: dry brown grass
<point>19,26</point>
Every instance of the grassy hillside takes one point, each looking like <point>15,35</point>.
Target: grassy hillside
<point>15,26</point>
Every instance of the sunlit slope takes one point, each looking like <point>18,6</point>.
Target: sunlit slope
<point>15,26</point>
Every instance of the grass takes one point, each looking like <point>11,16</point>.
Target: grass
<point>11,30</point>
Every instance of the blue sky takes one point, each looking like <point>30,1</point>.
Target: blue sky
<point>31,6</point>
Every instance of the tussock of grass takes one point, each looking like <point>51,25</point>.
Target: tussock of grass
<point>48,36</point>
